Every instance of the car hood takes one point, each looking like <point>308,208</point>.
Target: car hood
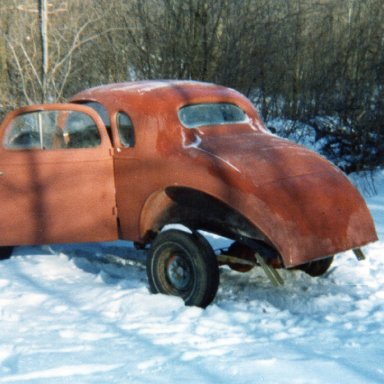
<point>304,205</point>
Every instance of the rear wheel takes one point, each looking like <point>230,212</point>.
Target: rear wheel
<point>5,252</point>
<point>183,264</point>
<point>317,267</point>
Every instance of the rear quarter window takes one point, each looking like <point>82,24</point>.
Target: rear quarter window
<point>197,115</point>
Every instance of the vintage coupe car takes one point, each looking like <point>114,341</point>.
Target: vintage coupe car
<point>129,160</point>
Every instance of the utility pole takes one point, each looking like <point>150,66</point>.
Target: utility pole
<point>43,20</point>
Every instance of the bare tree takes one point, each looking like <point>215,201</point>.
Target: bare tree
<point>41,67</point>
<point>307,60</point>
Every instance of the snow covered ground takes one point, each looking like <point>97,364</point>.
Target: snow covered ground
<point>66,317</point>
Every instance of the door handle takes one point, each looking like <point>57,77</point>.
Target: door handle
<point>2,173</point>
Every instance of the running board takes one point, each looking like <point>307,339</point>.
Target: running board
<point>271,273</point>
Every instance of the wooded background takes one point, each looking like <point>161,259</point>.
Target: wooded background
<point>314,62</point>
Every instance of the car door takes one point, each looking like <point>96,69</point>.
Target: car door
<point>56,177</point>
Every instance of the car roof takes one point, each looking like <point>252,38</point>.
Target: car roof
<point>179,91</point>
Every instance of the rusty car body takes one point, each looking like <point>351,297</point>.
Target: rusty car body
<point>123,161</point>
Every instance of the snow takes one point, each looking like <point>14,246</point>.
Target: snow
<point>68,314</point>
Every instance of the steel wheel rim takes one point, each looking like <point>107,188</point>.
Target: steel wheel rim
<point>179,272</point>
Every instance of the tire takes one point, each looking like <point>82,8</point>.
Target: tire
<point>6,252</point>
<point>184,265</point>
<point>317,267</point>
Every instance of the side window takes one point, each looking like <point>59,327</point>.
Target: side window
<point>80,131</point>
<point>52,130</point>
<point>102,112</point>
<point>125,129</point>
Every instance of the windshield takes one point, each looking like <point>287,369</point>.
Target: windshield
<point>197,115</point>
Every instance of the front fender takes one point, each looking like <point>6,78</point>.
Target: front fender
<point>153,213</point>
<point>311,216</point>
<point>305,217</point>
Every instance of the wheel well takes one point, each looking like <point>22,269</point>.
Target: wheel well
<point>200,211</point>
